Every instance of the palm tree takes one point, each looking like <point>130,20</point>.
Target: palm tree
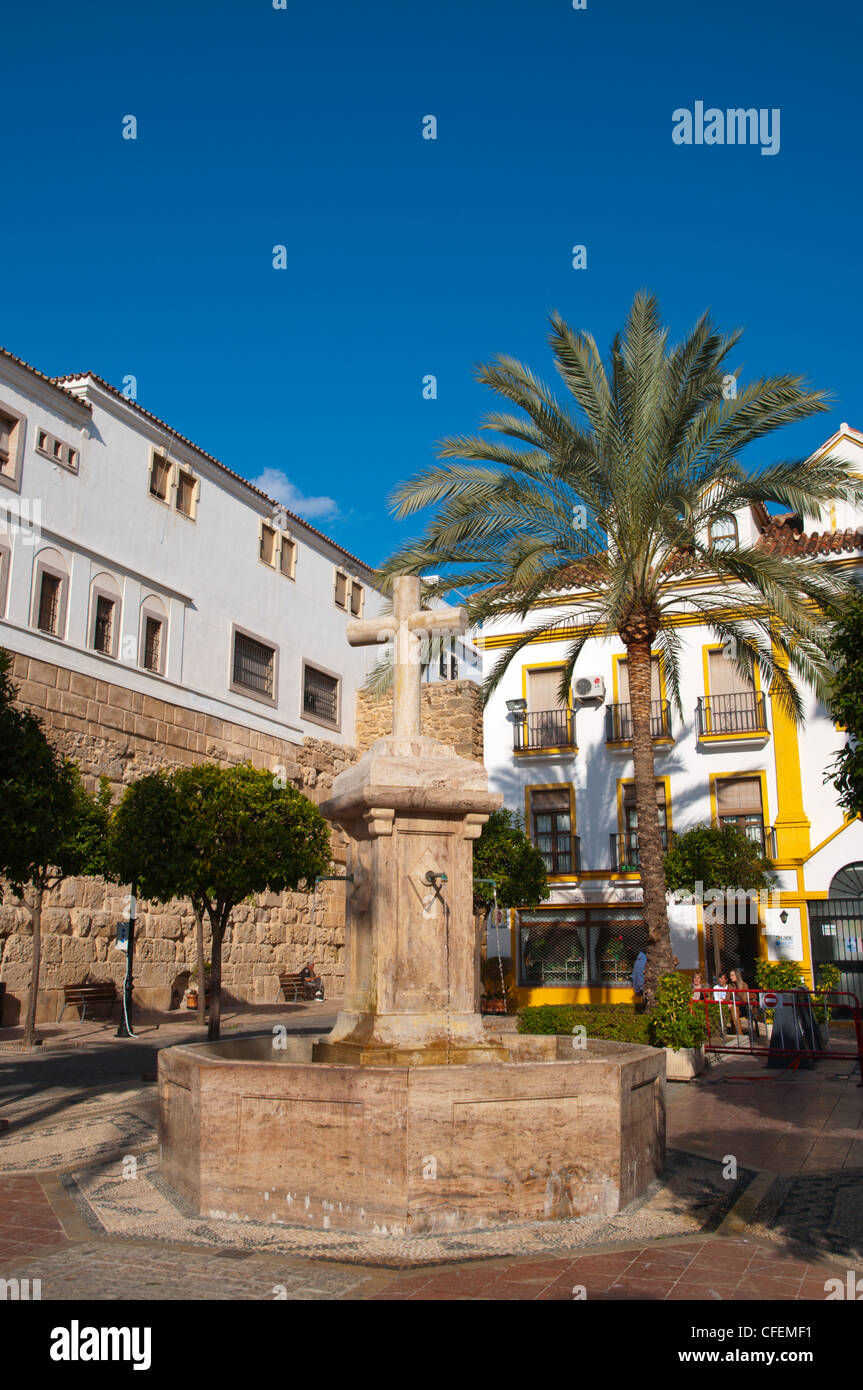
<point>645,450</point>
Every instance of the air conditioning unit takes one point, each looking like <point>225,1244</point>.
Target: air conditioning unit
<point>589,688</point>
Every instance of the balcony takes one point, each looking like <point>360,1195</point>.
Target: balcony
<point>551,728</point>
<point>562,855</point>
<point>731,717</point>
<point>624,851</point>
<point>764,836</point>
<point>618,722</point>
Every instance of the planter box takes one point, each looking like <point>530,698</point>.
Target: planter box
<point>684,1065</point>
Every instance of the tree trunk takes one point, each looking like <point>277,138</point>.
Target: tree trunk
<point>36,921</point>
<point>218,923</point>
<point>202,978</point>
<point>660,959</point>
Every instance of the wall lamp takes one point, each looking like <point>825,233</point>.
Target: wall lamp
<point>516,706</point>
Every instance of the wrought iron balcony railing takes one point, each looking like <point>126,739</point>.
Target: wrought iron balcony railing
<point>763,835</point>
<point>551,728</point>
<point>731,714</point>
<point>562,855</point>
<point>618,722</point>
<point>624,851</point>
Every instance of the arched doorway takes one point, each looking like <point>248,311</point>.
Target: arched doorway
<point>836,928</point>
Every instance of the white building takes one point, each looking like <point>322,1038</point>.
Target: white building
<point>736,758</point>
<point>130,555</point>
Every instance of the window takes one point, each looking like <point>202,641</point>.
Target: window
<point>52,448</point>
<point>722,533</point>
<point>11,437</point>
<point>288,557</point>
<point>153,644</point>
<point>551,814</point>
<point>356,599</point>
<point>160,477</point>
<point>49,604</point>
<point>549,723</point>
<point>732,705</point>
<point>320,696</point>
<point>267,544</point>
<point>625,851</point>
<point>739,803</point>
<point>254,665</point>
<point>103,625</point>
<point>341,594</point>
<point>187,486</point>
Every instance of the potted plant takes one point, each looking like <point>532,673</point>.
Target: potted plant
<point>191,996</point>
<point>494,988</point>
<point>679,1028</point>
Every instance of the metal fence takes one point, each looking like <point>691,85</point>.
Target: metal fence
<point>595,946</point>
<point>789,1027</point>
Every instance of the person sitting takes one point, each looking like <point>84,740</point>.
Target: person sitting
<point>698,989</point>
<point>309,976</point>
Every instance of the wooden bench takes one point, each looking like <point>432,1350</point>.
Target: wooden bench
<point>299,987</point>
<point>79,996</point>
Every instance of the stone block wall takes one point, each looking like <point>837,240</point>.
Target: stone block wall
<point>122,734</point>
<point>451,711</point>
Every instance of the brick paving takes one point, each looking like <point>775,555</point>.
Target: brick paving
<point>799,1223</point>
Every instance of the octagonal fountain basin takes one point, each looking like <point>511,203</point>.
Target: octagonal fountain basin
<point>255,1129</point>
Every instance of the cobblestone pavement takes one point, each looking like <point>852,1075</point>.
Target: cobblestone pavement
<point>778,1230</point>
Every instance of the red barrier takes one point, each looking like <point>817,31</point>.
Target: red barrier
<point>800,1034</point>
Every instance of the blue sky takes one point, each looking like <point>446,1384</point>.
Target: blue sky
<point>406,256</point>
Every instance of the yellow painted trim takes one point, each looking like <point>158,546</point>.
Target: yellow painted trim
<point>744,772</point>
<point>526,995</point>
<point>544,666</point>
<point>543,752</point>
<point>849,820</point>
<point>747,736</point>
<point>793,828</point>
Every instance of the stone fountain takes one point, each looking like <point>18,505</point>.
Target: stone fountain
<point>410,1116</point>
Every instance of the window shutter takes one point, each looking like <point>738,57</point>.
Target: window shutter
<point>542,689</point>
<point>725,679</point>
<point>550,800</point>
<point>738,795</point>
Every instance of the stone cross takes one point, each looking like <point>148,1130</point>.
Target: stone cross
<point>404,628</point>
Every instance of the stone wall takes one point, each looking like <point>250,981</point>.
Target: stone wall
<point>122,734</point>
<point>451,711</point>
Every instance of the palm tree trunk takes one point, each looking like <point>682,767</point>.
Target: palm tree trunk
<point>36,922</point>
<point>660,959</point>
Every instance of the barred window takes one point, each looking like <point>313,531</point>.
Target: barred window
<point>153,645</point>
<point>320,695</point>
<point>254,665</point>
<point>49,604</point>
<point>103,626</point>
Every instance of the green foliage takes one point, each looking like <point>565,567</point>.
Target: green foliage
<point>50,827</point>
<point>827,980</point>
<point>217,836</point>
<point>613,1022</point>
<point>675,1021</point>
<point>715,858</point>
<point>845,700</point>
<point>779,975</point>
<point>503,852</point>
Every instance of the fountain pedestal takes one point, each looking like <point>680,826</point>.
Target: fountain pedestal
<point>411,809</point>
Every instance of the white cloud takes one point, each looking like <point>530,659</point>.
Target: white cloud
<point>277,484</point>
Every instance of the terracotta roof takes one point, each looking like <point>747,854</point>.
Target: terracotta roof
<point>784,535</point>
<point>51,381</point>
<point>91,376</point>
